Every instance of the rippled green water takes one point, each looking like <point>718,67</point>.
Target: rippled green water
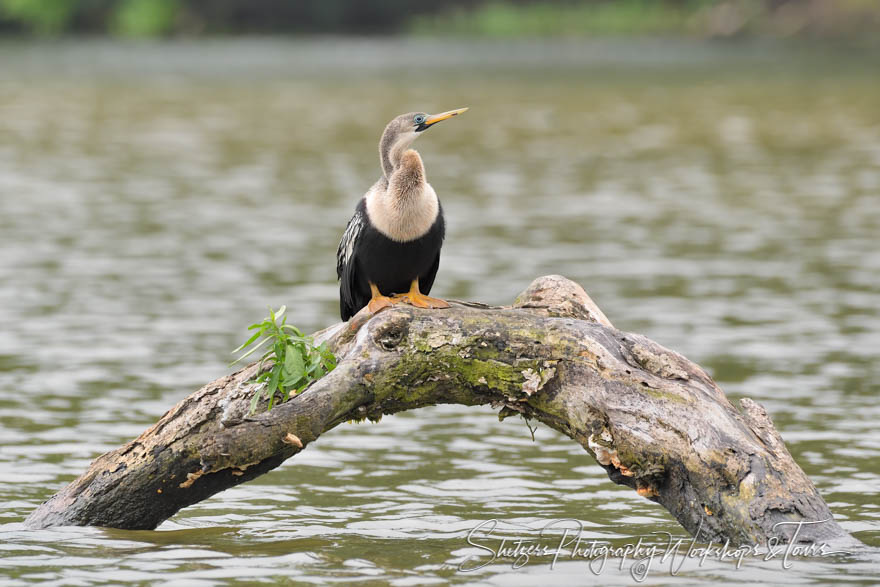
<point>722,200</point>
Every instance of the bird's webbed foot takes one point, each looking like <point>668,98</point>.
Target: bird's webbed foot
<point>420,300</point>
<point>378,301</point>
<point>416,298</point>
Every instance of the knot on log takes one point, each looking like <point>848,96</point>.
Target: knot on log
<point>391,334</point>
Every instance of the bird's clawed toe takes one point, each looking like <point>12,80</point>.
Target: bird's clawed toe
<point>433,302</point>
<point>416,298</point>
<point>413,299</point>
<point>420,300</point>
<point>379,303</point>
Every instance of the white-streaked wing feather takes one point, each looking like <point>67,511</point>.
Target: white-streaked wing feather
<point>349,238</point>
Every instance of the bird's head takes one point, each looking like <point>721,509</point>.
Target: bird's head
<point>401,132</point>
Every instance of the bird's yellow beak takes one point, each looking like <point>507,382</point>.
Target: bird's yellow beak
<point>435,118</point>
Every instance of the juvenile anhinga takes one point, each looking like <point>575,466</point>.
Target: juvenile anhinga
<point>390,250</point>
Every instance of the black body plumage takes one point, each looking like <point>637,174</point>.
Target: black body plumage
<point>365,256</point>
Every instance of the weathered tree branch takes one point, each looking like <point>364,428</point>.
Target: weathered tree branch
<point>654,420</point>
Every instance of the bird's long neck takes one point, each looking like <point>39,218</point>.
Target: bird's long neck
<point>404,206</point>
<point>391,149</point>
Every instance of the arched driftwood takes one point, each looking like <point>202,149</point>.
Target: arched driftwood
<point>654,420</point>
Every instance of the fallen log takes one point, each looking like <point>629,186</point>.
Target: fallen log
<point>654,420</point>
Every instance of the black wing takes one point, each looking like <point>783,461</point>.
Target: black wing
<point>346,266</point>
<point>426,280</point>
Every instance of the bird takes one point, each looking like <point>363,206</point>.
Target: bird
<point>390,250</point>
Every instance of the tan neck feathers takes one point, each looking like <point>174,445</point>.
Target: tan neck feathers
<point>404,207</point>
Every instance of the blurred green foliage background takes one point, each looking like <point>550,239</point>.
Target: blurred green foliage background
<point>836,19</point>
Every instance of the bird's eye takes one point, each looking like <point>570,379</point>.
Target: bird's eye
<point>419,118</point>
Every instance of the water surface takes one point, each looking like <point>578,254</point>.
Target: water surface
<point>155,199</point>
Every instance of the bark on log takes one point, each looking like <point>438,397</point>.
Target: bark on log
<point>654,420</point>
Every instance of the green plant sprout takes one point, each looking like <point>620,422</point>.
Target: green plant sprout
<point>296,361</point>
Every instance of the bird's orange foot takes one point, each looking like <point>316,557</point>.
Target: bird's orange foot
<point>420,300</point>
<point>378,303</point>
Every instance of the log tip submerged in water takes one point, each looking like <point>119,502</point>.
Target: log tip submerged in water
<point>653,419</point>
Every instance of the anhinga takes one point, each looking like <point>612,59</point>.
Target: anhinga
<point>390,250</point>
